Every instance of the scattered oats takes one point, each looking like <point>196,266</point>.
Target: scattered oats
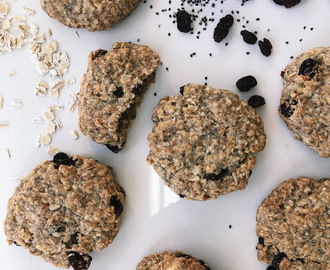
<point>49,114</point>
<point>56,108</point>
<point>73,106</point>
<point>54,93</point>
<point>58,123</point>
<point>16,177</point>
<point>37,119</point>
<point>3,124</point>
<point>39,38</point>
<point>64,68</point>
<point>70,81</point>
<point>75,134</point>
<point>34,29</point>
<point>52,150</point>
<point>34,48</point>
<point>12,74</point>
<point>19,18</point>
<point>29,11</point>
<point>4,8</point>
<point>16,103</point>
<point>50,47</point>
<point>51,127</point>
<point>23,28</point>
<point>1,102</point>
<point>45,139</point>
<point>41,88</point>
<point>8,152</point>
<point>56,84</point>
<point>38,141</point>
<point>5,25</point>
<point>49,32</point>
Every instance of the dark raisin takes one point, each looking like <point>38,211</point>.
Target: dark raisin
<point>100,52</point>
<point>277,259</point>
<point>74,239</point>
<point>116,203</point>
<point>287,3</point>
<point>118,92</point>
<point>181,196</point>
<point>186,256</point>
<point>78,261</point>
<point>261,241</point>
<point>282,74</point>
<point>244,84</point>
<point>202,263</point>
<point>183,21</point>
<point>256,101</point>
<point>222,28</point>
<point>215,177</point>
<point>60,229</point>
<point>286,108</point>
<point>249,37</point>
<point>307,68</point>
<point>113,148</point>
<point>63,159</point>
<point>68,162</point>
<point>15,243</point>
<point>181,90</point>
<point>59,157</point>
<point>265,47</point>
<point>271,268</point>
<point>250,173</point>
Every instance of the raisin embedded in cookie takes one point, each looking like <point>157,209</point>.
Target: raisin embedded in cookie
<point>293,225</point>
<point>111,90</point>
<point>64,209</point>
<point>94,15</point>
<point>175,260</point>
<point>203,141</point>
<point>305,99</point>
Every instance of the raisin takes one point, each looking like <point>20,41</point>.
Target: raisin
<point>116,203</point>
<point>222,28</point>
<point>215,177</point>
<point>181,196</point>
<point>277,260</point>
<point>286,109</point>
<point>265,47</point>
<point>113,148</point>
<point>74,239</point>
<point>244,84</point>
<point>59,157</point>
<point>68,162</point>
<point>202,263</point>
<point>271,268</point>
<point>63,159</point>
<point>118,92</point>
<point>186,256</point>
<point>182,89</point>
<point>307,68</point>
<point>78,261</point>
<point>183,21</point>
<point>100,53</point>
<point>249,37</point>
<point>60,229</point>
<point>15,243</point>
<point>287,3</point>
<point>261,241</point>
<point>256,101</point>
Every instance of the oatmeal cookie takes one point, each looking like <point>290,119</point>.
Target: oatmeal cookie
<point>172,261</point>
<point>111,90</point>
<point>94,15</point>
<point>203,141</point>
<point>293,225</point>
<point>305,99</point>
<point>65,209</point>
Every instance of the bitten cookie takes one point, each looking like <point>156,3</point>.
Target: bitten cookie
<point>293,225</point>
<point>172,261</point>
<point>305,99</point>
<point>203,141</point>
<point>94,15</point>
<point>64,209</point>
<point>111,90</point>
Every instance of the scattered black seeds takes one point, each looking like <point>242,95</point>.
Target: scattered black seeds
<point>230,227</point>
<point>256,101</point>
<point>167,69</point>
<point>291,57</point>
<point>78,261</point>
<point>222,28</point>
<point>265,47</point>
<point>249,37</point>
<point>244,84</point>
<point>183,21</point>
<point>155,94</point>
<point>247,53</point>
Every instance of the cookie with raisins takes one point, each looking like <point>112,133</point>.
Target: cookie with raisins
<point>203,142</point>
<point>175,260</point>
<point>305,99</point>
<point>112,89</point>
<point>64,209</point>
<point>293,225</point>
<point>93,15</point>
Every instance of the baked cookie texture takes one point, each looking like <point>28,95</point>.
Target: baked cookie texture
<point>305,99</point>
<point>64,209</point>
<point>203,141</point>
<point>293,225</point>
<point>175,260</point>
<point>94,15</point>
<point>111,90</point>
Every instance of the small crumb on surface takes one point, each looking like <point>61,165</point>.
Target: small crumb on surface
<point>8,152</point>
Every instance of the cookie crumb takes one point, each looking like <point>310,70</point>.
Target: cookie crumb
<point>1,102</point>
<point>75,134</point>
<point>4,124</point>
<point>12,74</point>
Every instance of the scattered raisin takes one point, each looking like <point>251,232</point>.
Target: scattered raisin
<point>100,52</point>
<point>249,37</point>
<point>63,159</point>
<point>118,92</point>
<point>182,89</point>
<point>307,68</point>
<point>215,177</point>
<point>78,261</point>
<point>256,101</point>
<point>287,3</point>
<point>277,259</point>
<point>116,203</point>
<point>246,83</point>
<point>113,148</point>
<point>183,21</point>
<point>265,47</point>
<point>222,28</point>
<point>261,241</point>
<point>74,239</point>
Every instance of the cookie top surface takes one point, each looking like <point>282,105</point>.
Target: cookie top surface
<point>65,208</point>
<point>293,225</point>
<point>111,90</point>
<point>175,260</point>
<point>203,141</point>
<point>94,15</point>
<point>305,99</point>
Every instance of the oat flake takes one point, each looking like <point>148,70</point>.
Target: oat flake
<point>45,139</point>
<point>52,150</point>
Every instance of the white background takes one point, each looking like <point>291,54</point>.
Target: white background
<point>155,219</point>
